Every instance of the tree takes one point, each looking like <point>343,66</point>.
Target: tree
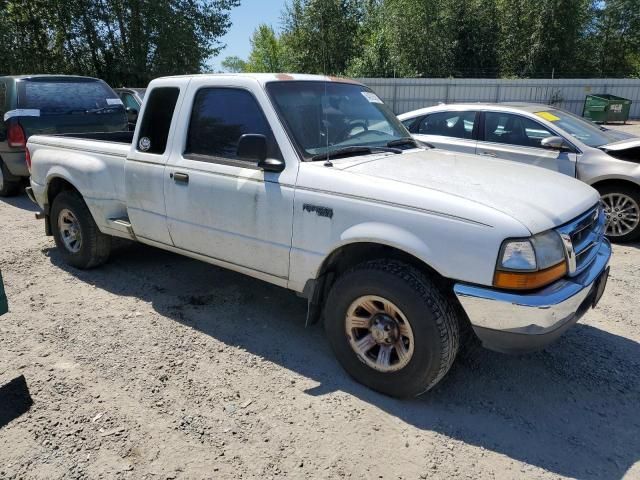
<point>234,64</point>
<point>266,51</point>
<point>614,40</point>
<point>122,41</point>
<point>539,38</point>
<point>321,36</point>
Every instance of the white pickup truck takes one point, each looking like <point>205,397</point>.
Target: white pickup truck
<point>312,184</point>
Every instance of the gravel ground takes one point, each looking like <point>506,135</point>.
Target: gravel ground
<point>158,366</point>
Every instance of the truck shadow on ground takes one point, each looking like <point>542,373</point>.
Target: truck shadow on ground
<point>21,201</point>
<point>571,409</point>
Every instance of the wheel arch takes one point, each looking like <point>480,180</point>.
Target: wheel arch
<point>600,183</point>
<point>56,184</point>
<point>356,251</point>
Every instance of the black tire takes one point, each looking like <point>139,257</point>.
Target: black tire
<point>429,310</point>
<point>7,188</point>
<point>633,193</point>
<point>95,246</point>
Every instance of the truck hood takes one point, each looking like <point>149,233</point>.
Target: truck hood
<point>540,199</point>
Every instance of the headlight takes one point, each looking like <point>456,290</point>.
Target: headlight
<point>530,263</point>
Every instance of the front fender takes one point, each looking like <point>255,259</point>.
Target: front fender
<point>386,234</point>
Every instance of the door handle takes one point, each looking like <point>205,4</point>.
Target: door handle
<point>488,154</point>
<point>180,177</point>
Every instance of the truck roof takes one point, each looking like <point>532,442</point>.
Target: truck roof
<point>273,77</point>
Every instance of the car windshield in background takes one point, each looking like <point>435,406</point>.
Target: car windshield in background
<point>140,92</point>
<point>585,131</point>
<point>62,96</point>
<point>326,116</point>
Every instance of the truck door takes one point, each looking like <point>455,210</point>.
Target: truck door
<point>145,165</point>
<point>219,205</point>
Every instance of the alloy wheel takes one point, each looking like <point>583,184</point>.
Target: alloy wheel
<point>70,232</point>
<point>622,213</point>
<point>379,333</point>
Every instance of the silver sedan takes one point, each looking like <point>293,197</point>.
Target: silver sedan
<point>547,137</point>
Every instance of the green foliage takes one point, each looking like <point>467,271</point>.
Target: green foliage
<point>125,42</point>
<point>459,38</point>
<point>321,36</point>
<point>266,51</point>
<point>234,64</point>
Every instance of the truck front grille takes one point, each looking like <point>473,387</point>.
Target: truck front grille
<point>585,233</point>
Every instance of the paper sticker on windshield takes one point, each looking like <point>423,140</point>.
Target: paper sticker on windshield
<point>22,112</point>
<point>372,97</point>
<point>548,116</point>
<point>114,101</point>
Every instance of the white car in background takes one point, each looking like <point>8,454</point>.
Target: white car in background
<point>548,137</point>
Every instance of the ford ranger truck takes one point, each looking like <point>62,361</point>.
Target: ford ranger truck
<point>311,183</point>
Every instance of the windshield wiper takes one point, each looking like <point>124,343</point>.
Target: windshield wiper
<point>402,141</point>
<point>353,150</point>
<point>101,109</point>
<point>408,141</point>
<point>81,110</point>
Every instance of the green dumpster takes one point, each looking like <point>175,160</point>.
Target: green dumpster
<point>604,107</point>
<point>4,308</point>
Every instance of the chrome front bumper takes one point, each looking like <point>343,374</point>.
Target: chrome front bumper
<point>519,322</point>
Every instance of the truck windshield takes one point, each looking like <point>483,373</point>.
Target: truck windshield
<point>62,95</point>
<point>325,116</point>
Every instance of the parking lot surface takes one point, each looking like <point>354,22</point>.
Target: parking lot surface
<point>159,366</point>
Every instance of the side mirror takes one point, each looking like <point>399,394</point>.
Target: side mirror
<point>553,143</point>
<point>254,147</point>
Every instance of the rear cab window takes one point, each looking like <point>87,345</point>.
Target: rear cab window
<point>156,122</point>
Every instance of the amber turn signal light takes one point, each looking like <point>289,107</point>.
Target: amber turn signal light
<point>529,280</point>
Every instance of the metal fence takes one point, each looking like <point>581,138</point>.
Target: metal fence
<point>406,94</point>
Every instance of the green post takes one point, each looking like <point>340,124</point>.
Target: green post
<point>4,307</point>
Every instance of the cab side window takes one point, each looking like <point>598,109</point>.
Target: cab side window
<point>129,101</point>
<point>154,131</point>
<point>220,116</point>
<point>448,124</point>
<point>513,129</point>
<point>408,124</point>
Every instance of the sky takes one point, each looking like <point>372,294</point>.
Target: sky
<point>244,20</point>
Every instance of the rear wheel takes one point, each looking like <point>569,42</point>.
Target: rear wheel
<point>622,210</point>
<point>76,234</point>
<point>7,188</point>
<point>392,328</point>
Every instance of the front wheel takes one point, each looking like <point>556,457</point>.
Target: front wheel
<point>392,328</point>
<point>80,242</point>
<point>622,211</point>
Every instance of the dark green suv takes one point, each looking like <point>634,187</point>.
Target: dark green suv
<point>50,104</point>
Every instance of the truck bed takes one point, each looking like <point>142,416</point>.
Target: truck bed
<point>108,143</point>
<point>115,137</point>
